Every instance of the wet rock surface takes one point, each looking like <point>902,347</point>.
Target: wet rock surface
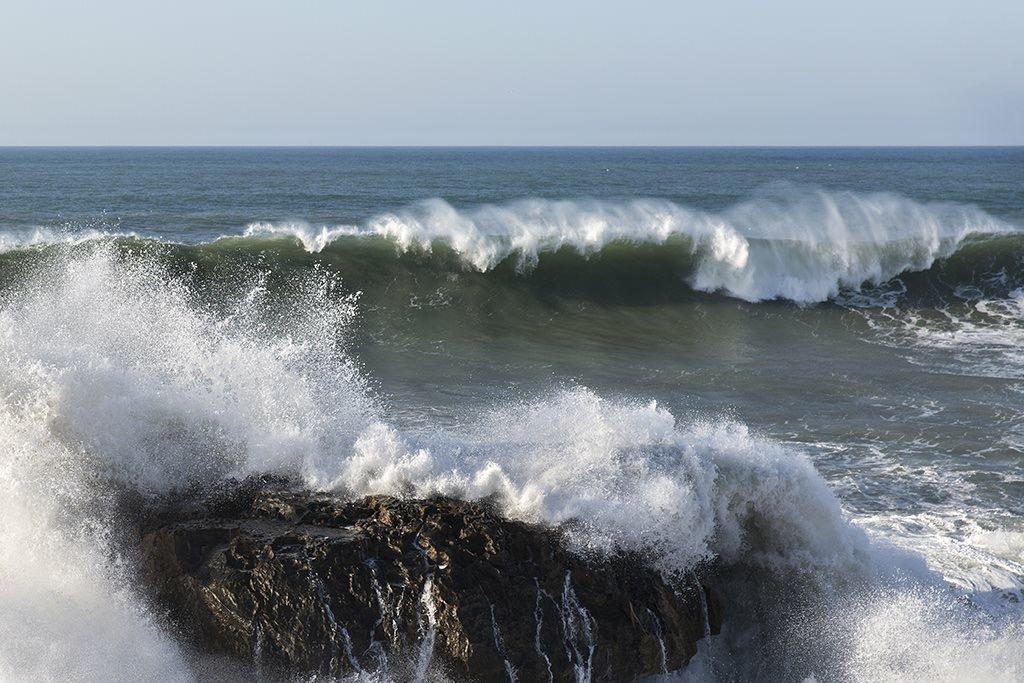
<point>307,583</point>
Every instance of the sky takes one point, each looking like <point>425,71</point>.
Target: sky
<point>341,72</point>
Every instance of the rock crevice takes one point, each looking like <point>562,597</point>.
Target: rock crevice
<point>309,583</point>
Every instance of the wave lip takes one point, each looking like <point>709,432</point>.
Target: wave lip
<point>786,242</point>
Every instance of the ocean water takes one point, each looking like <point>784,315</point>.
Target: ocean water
<point>800,370</point>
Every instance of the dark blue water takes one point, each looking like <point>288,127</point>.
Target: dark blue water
<point>191,194</point>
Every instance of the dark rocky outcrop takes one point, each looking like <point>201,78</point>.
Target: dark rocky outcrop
<point>305,582</point>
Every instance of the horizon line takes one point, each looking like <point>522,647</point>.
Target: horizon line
<point>500,146</point>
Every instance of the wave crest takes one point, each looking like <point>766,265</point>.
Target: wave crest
<point>786,242</point>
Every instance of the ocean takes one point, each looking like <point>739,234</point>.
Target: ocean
<point>801,369</point>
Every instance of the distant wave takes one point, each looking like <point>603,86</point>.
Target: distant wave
<point>785,242</point>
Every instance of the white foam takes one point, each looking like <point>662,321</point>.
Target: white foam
<point>65,611</point>
<point>980,336</point>
<point>627,476</point>
<point>915,633</point>
<point>986,564</point>
<point>140,373</point>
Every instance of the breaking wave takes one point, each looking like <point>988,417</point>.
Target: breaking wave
<point>785,242</point>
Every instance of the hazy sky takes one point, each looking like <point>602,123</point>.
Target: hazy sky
<point>340,72</point>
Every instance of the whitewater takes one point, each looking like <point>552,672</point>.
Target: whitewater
<point>814,392</point>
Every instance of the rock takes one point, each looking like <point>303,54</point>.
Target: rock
<point>308,583</point>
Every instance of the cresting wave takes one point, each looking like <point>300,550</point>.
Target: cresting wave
<point>784,243</point>
<point>116,374</point>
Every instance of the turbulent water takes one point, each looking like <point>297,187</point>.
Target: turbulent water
<point>802,368</point>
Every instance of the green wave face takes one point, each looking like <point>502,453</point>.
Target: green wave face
<point>621,273</point>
